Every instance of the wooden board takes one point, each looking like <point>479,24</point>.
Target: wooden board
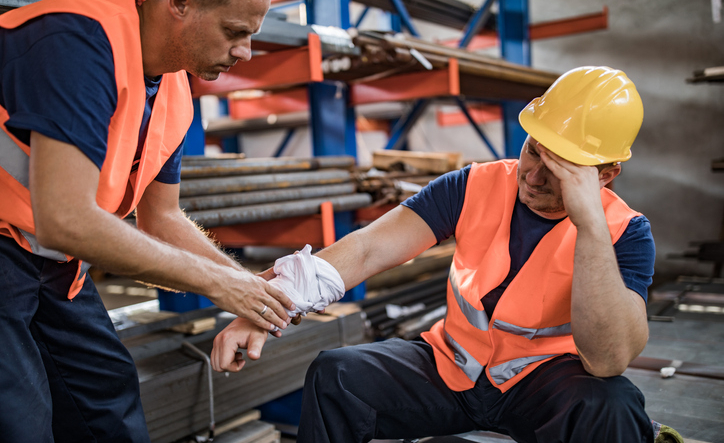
<point>431,162</point>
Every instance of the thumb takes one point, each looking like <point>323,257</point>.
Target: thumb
<point>256,343</point>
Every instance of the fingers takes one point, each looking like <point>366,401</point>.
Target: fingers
<point>256,343</point>
<point>226,355</point>
<point>281,297</point>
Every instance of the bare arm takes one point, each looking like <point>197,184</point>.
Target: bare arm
<point>391,240</point>
<point>158,214</point>
<point>63,185</point>
<point>608,319</point>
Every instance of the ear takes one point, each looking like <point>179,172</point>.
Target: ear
<point>607,175</point>
<point>178,8</point>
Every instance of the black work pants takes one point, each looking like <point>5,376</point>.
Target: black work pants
<point>64,374</point>
<point>392,390</point>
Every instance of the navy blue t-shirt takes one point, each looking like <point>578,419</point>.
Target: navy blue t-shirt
<point>57,78</point>
<point>441,202</point>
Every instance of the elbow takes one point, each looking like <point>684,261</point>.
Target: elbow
<point>609,369</point>
<point>58,233</point>
<point>611,364</point>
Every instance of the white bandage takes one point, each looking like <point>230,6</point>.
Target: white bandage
<point>309,281</point>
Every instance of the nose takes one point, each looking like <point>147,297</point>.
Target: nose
<point>242,51</point>
<point>537,176</point>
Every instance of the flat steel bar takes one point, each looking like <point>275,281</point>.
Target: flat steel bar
<point>209,186</point>
<point>273,211</point>
<point>259,197</point>
<point>225,167</point>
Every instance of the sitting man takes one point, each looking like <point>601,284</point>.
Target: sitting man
<point>546,296</point>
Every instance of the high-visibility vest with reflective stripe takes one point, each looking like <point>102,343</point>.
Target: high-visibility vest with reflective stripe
<point>119,188</point>
<point>532,320</point>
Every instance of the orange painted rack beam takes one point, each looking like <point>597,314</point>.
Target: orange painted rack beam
<point>556,28</point>
<point>281,69</point>
<point>272,102</point>
<point>409,86</point>
<point>294,232</point>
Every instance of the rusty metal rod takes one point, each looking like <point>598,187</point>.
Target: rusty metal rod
<point>274,211</point>
<point>258,197</point>
<point>217,168</point>
<point>225,185</point>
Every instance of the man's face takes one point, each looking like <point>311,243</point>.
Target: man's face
<point>538,188</point>
<point>214,38</point>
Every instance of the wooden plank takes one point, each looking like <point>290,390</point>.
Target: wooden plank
<point>195,327</point>
<point>243,419</point>
<point>252,432</point>
<point>433,162</point>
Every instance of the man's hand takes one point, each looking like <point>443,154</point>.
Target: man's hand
<point>240,333</point>
<point>251,297</point>
<point>580,188</point>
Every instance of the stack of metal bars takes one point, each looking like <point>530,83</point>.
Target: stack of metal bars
<point>174,384</point>
<point>221,192</point>
<point>424,300</point>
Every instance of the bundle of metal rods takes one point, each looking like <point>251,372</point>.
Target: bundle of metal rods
<point>381,52</point>
<point>231,191</point>
<point>417,304</point>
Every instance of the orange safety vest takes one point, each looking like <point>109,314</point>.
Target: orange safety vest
<point>531,323</point>
<point>119,188</point>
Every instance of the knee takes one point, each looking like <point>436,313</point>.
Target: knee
<point>615,398</point>
<point>329,364</point>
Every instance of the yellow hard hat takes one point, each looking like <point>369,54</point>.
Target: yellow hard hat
<point>589,116</point>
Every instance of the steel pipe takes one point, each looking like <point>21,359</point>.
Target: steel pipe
<point>259,197</point>
<point>274,211</point>
<point>225,185</point>
<point>222,167</point>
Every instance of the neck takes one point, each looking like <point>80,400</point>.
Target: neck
<point>150,27</point>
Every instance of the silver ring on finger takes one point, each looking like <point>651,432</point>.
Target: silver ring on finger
<point>263,311</point>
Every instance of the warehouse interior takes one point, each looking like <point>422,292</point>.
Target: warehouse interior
<point>347,109</point>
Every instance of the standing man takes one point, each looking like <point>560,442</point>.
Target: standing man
<point>94,107</point>
<point>546,296</point>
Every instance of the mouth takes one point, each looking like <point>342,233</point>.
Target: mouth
<point>534,191</point>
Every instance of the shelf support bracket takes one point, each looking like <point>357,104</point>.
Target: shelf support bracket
<point>475,126</point>
<point>476,23</point>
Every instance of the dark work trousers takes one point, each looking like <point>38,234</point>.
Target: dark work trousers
<point>64,374</point>
<point>392,390</point>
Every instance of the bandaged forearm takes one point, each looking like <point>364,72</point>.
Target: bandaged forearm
<point>309,281</point>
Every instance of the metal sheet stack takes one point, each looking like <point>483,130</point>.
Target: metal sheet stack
<point>174,384</point>
<point>220,192</point>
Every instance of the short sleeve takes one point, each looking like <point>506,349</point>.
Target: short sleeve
<point>636,253</point>
<point>170,173</point>
<point>58,79</point>
<point>441,202</point>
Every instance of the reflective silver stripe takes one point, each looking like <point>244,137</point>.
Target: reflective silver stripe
<point>479,319</point>
<point>464,360</point>
<point>41,251</point>
<point>530,334</point>
<point>84,266</point>
<point>510,369</point>
<point>14,160</point>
